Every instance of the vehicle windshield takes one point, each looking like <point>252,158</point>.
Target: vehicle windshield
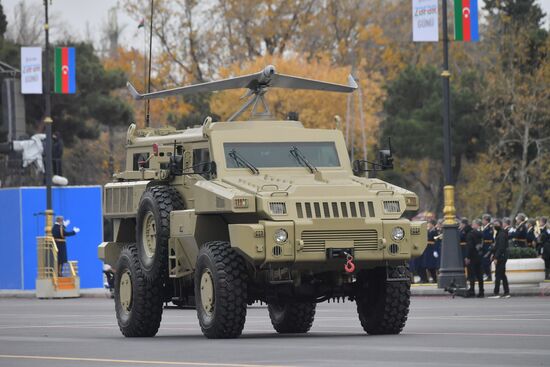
<point>270,155</point>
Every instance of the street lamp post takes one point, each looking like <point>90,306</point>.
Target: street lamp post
<point>48,123</point>
<point>451,272</point>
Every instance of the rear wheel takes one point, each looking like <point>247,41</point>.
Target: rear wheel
<point>220,290</point>
<point>292,318</point>
<point>383,305</point>
<point>138,303</point>
<point>153,229</point>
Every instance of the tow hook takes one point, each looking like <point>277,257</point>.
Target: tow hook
<point>349,267</point>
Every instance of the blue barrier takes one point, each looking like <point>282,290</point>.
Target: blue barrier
<point>22,220</point>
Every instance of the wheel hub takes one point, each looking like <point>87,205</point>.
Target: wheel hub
<point>207,292</point>
<point>125,291</point>
<point>149,234</point>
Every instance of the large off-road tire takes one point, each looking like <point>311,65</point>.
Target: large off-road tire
<point>220,290</point>
<point>153,230</point>
<point>291,318</point>
<point>138,302</point>
<point>382,305</point>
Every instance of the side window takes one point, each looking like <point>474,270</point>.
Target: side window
<point>140,157</point>
<point>200,159</point>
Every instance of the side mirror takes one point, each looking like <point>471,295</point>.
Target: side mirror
<point>176,165</point>
<point>209,168</point>
<point>385,161</point>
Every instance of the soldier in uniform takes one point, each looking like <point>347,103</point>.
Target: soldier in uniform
<point>487,231</point>
<point>474,256</point>
<point>531,237</point>
<point>520,232</point>
<point>500,256</point>
<point>430,254</point>
<point>543,244</point>
<point>510,231</point>
<point>461,230</point>
<point>59,232</point>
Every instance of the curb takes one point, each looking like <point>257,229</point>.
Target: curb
<point>417,290</point>
<point>30,294</point>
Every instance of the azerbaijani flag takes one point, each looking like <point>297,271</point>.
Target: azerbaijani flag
<point>65,70</point>
<point>466,24</point>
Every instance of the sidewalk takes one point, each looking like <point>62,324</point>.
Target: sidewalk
<point>423,290</point>
<point>516,290</point>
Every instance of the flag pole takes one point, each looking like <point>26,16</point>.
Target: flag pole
<point>48,124</point>
<point>451,273</point>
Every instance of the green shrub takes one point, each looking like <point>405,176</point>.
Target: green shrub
<point>522,253</point>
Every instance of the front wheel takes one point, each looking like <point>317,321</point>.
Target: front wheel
<point>220,290</point>
<point>291,318</point>
<point>382,304</point>
<point>138,303</point>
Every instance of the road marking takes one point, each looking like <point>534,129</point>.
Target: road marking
<point>479,334</point>
<point>131,361</point>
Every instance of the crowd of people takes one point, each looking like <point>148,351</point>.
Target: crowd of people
<point>483,241</point>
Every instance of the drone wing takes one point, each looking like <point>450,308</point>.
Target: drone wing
<point>266,78</point>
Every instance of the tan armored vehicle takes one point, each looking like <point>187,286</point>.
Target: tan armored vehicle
<point>231,213</point>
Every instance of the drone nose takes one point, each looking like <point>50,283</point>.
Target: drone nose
<point>269,70</point>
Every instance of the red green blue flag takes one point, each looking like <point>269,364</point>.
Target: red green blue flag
<point>65,70</point>
<point>466,22</point>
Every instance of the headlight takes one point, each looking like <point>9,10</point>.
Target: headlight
<point>281,236</point>
<point>397,234</point>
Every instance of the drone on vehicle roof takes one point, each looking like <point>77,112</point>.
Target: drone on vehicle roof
<point>257,84</point>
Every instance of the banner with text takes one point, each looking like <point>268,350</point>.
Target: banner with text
<point>425,20</point>
<point>31,70</point>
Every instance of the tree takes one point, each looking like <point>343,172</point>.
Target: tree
<point>3,23</point>
<point>414,123</point>
<point>517,95</point>
<point>26,28</point>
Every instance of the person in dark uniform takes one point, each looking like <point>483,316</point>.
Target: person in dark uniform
<point>462,233</point>
<point>420,263</point>
<point>543,243</point>
<point>474,256</point>
<point>59,233</point>
<point>510,231</point>
<point>520,232</point>
<point>500,256</point>
<point>461,230</point>
<point>487,232</point>
<point>531,237</point>
<point>430,255</point>
<point>438,242</point>
<point>57,154</point>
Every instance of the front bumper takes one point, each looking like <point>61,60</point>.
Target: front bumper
<point>309,241</point>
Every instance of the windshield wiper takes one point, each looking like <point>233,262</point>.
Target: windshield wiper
<point>242,162</point>
<point>301,158</point>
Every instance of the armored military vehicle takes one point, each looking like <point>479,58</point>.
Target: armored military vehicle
<point>231,213</point>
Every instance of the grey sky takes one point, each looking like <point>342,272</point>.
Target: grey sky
<point>85,17</point>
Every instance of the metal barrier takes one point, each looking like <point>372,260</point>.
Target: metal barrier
<point>47,258</point>
<point>48,282</point>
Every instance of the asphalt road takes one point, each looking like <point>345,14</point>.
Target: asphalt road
<point>440,332</point>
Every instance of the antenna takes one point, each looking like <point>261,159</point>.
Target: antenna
<point>147,108</point>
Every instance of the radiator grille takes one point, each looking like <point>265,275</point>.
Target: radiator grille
<point>363,240</point>
<point>339,209</point>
